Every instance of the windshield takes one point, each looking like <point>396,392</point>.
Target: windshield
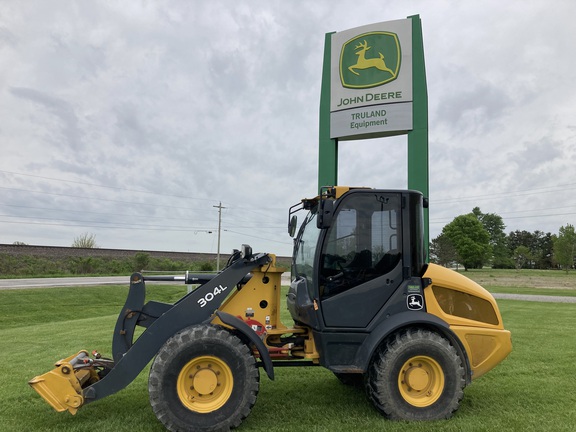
<point>305,249</point>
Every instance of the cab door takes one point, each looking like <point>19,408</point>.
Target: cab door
<point>360,258</point>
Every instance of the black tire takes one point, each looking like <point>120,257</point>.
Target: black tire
<point>203,379</point>
<point>416,375</point>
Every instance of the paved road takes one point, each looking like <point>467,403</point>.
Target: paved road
<point>6,284</point>
<point>62,282</point>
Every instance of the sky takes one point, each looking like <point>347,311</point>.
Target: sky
<point>142,122</point>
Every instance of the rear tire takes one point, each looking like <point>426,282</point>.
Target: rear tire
<point>417,375</point>
<point>203,379</point>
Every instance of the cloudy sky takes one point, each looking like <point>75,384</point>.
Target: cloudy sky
<point>132,120</point>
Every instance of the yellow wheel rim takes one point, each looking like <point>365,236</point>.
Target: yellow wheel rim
<point>205,384</point>
<point>421,381</point>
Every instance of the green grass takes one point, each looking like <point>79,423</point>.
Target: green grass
<point>530,291</point>
<point>535,282</point>
<point>36,306</point>
<point>534,389</point>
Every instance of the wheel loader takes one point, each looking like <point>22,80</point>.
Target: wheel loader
<point>364,304</point>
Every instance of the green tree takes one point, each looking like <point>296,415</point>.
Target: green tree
<point>519,238</point>
<point>85,240</point>
<point>521,256</point>
<point>541,247</point>
<point>565,247</point>
<point>494,225</point>
<point>442,251</point>
<point>471,240</point>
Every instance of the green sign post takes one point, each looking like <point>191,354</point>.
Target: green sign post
<point>328,147</point>
<point>418,175</point>
<point>374,85</point>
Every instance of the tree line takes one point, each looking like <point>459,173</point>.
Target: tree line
<point>478,239</point>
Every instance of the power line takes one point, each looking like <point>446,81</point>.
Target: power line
<point>259,226</point>
<point>177,229</point>
<point>533,210</point>
<point>519,193</point>
<point>100,199</point>
<point>119,201</point>
<point>106,200</point>
<point>101,213</point>
<point>259,238</point>
<point>104,186</point>
<point>111,225</point>
<point>97,222</point>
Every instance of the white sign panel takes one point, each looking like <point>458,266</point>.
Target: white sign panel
<point>371,81</point>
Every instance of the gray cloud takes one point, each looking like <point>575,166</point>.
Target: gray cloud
<point>151,113</point>
<point>62,110</point>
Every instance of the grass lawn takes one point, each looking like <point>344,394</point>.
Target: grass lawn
<point>537,282</point>
<point>533,390</point>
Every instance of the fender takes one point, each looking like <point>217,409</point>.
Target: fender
<point>245,329</point>
<point>405,319</point>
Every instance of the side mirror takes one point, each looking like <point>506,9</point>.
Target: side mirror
<point>325,213</point>
<point>246,251</point>
<point>292,225</point>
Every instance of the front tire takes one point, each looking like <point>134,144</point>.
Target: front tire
<point>417,375</point>
<point>203,379</point>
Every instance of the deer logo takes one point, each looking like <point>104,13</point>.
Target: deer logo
<point>364,63</point>
<point>415,302</point>
<point>370,60</point>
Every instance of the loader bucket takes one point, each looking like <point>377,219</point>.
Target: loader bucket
<point>62,386</point>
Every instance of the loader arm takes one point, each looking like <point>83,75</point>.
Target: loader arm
<point>191,309</point>
<point>130,358</point>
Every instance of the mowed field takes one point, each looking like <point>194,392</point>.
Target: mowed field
<point>534,389</point>
<point>539,282</point>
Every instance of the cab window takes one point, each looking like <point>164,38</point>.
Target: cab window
<point>362,242</point>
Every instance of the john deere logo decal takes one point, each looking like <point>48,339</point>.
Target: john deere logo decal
<point>415,302</point>
<point>369,60</point>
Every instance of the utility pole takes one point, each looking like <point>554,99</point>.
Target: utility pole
<point>219,207</point>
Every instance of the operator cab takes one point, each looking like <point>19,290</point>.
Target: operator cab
<point>354,249</point>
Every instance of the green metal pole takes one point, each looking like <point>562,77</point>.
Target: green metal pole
<point>328,148</point>
<point>418,176</point>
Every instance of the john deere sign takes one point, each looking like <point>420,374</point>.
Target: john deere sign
<point>374,85</point>
<point>371,81</point>
<point>381,66</point>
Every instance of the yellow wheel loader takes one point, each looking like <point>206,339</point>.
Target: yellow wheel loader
<point>364,303</point>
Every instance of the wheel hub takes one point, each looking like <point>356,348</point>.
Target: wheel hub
<point>205,384</point>
<point>205,381</point>
<point>421,381</point>
<point>417,378</point>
